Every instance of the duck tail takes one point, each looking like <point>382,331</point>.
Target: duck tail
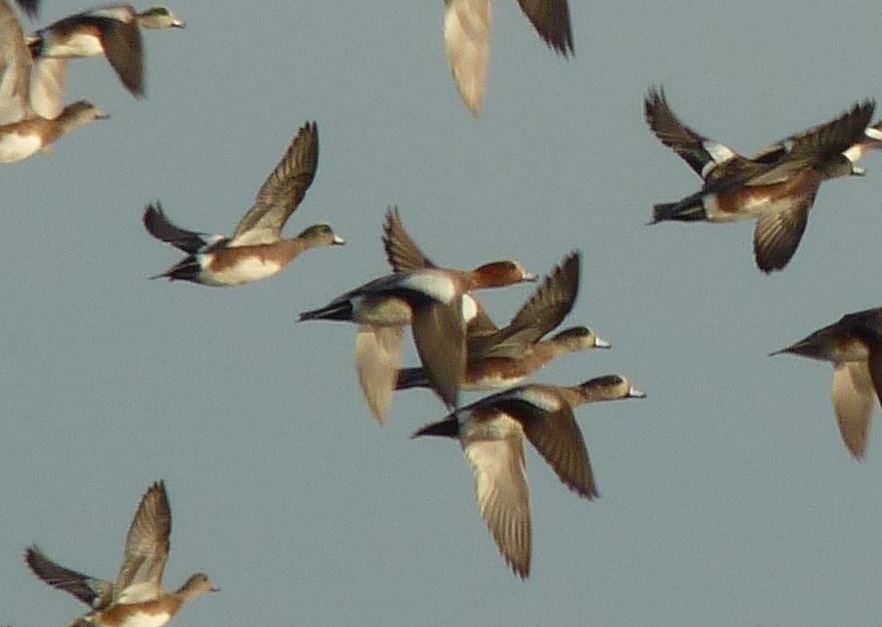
<point>682,212</point>
<point>448,428</point>
<point>411,378</point>
<point>187,269</point>
<point>334,311</point>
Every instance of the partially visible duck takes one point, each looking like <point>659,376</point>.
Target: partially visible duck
<point>435,304</point>
<point>256,250</point>
<point>32,115</point>
<point>491,433</point>
<point>854,346</point>
<point>509,355</point>
<point>136,597</point>
<point>777,186</point>
<point>467,40</point>
<point>112,31</point>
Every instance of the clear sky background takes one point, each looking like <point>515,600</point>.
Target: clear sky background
<point>727,497</point>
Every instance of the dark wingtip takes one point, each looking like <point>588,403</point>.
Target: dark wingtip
<point>30,7</point>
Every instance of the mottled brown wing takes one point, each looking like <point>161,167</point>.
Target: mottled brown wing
<point>558,439</point>
<point>551,19</point>
<point>778,234</point>
<point>830,138</point>
<point>544,311</point>
<point>147,543</point>
<point>282,191</point>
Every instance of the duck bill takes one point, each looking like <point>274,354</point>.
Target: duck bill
<point>635,393</point>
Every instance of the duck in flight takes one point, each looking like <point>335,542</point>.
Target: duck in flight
<point>112,31</point>
<point>256,250</point>
<point>32,113</point>
<point>136,597</point>
<point>492,433</point>
<point>776,187</point>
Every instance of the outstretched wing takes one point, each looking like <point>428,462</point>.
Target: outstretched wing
<point>702,154</point>
<point>96,593</point>
<point>160,227</point>
<point>282,191</point>
<point>551,19</point>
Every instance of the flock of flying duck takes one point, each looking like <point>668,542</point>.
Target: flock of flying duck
<point>458,344</point>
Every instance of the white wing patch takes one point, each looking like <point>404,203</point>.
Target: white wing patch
<point>873,133</point>
<point>539,398</point>
<point>718,152</point>
<point>436,285</point>
<point>469,308</point>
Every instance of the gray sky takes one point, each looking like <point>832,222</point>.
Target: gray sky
<point>727,497</point>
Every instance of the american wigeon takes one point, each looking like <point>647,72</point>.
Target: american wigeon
<point>509,355</point>
<point>31,113</point>
<point>256,250</point>
<point>136,597</point>
<point>777,186</point>
<point>435,303</point>
<point>854,346</point>
<point>467,40</point>
<point>112,31</point>
<point>491,433</point>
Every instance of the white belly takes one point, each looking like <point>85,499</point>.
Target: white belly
<point>246,271</point>
<point>146,620</point>
<point>15,147</point>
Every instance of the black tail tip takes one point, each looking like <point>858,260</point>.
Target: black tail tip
<point>448,428</point>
